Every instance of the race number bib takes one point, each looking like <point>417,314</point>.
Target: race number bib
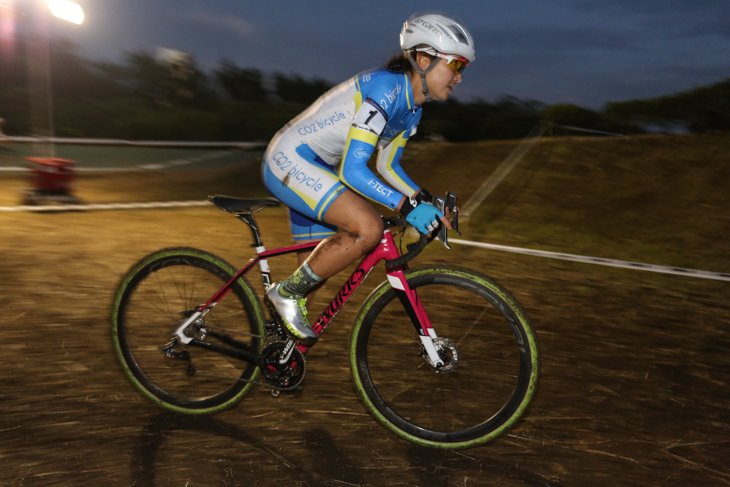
<point>371,117</point>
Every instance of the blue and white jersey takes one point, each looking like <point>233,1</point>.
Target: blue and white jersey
<point>343,128</point>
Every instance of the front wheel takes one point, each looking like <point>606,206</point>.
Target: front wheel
<point>485,339</point>
<point>155,297</point>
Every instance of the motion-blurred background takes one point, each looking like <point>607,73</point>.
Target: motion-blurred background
<point>614,118</point>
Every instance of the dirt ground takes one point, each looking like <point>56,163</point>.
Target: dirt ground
<point>633,391</point>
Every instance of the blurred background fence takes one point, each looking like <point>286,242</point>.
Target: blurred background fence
<point>99,155</point>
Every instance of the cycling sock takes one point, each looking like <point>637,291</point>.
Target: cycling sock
<point>300,283</point>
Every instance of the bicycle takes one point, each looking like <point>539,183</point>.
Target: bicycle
<point>458,376</point>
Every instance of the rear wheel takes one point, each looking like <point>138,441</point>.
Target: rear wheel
<point>485,339</point>
<point>153,299</point>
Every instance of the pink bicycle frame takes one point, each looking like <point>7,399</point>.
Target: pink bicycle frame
<point>386,250</point>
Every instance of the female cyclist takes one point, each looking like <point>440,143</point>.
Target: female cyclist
<point>317,163</point>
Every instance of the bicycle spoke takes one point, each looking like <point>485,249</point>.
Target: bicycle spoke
<point>414,341</point>
<point>186,376</point>
<point>167,309</point>
<point>473,324</point>
<point>482,381</point>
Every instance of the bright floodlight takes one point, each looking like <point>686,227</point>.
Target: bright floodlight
<point>66,10</point>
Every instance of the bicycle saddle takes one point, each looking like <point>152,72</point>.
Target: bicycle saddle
<point>236,205</point>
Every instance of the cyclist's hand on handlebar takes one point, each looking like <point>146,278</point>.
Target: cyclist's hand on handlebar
<point>424,216</point>
<point>450,213</point>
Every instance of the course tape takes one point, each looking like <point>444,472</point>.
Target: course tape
<point>145,167</point>
<point>503,170</point>
<point>718,276</point>
<point>107,206</point>
<point>134,143</point>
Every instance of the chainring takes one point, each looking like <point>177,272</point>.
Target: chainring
<point>287,375</point>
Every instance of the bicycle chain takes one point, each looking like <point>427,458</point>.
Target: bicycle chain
<point>239,379</point>
<point>237,332</point>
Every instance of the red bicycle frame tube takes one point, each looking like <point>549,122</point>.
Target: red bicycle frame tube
<point>386,250</point>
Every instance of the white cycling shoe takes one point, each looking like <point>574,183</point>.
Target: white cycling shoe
<point>293,313</point>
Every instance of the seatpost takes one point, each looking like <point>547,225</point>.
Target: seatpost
<point>248,219</point>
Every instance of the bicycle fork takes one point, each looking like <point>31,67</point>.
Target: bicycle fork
<point>410,300</point>
<point>413,306</point>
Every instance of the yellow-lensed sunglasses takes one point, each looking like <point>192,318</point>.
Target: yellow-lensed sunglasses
<point>457,64</point>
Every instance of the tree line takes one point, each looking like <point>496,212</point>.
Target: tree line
<point>701,109</point>
<point>145,98</point>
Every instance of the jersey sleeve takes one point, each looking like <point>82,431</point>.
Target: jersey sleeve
<point>389,164</point>
<point>368,124</point>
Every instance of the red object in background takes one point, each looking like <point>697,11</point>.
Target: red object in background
<point>51,174</point>
<point>52,179</point>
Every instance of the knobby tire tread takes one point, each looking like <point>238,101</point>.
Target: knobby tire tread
<point>529,359</point>
<point>241,290</point>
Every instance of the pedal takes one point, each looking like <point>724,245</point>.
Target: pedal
<point>274,327</point>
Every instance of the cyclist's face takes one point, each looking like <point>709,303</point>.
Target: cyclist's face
<point>441,79</point>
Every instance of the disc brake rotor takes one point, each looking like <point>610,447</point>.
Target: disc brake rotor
<point>448,352</point>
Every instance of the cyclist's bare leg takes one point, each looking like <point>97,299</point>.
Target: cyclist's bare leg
<point>301,257</point>
<point>361,228</point>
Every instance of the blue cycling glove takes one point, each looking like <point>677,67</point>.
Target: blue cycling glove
<point>423,216</point>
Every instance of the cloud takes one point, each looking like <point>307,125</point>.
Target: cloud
<point>543,38</point>
<point>701,28</point>
<point>230,23</point>
<point>651,7</point>
<point>683,18</point>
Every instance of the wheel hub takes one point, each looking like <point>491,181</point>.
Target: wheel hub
<point>448,352</point>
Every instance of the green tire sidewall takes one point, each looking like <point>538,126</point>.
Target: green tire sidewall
<point>499,291</point>
<point>121,292</point>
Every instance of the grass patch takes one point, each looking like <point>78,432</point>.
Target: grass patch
<point>654,199</point>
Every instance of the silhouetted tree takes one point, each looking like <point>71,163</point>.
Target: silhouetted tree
<point>166,83</point>
<point>239,83</point>
<point>568,114</point>
<point>701,109</point>
<point>296,89</point>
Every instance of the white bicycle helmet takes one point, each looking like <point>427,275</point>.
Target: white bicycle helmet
<point>444,34</point>
<point>435,33</point>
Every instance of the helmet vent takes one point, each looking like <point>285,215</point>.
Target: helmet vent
<point>460,34</point>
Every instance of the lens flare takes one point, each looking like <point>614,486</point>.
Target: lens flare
<point>66,10</point>
<point>7,29</point>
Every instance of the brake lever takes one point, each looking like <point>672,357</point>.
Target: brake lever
<point>440,203</point>
<point>451,205</point>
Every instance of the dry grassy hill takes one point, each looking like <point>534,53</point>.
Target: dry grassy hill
<point>634,365</point>
<point>656,199</point>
